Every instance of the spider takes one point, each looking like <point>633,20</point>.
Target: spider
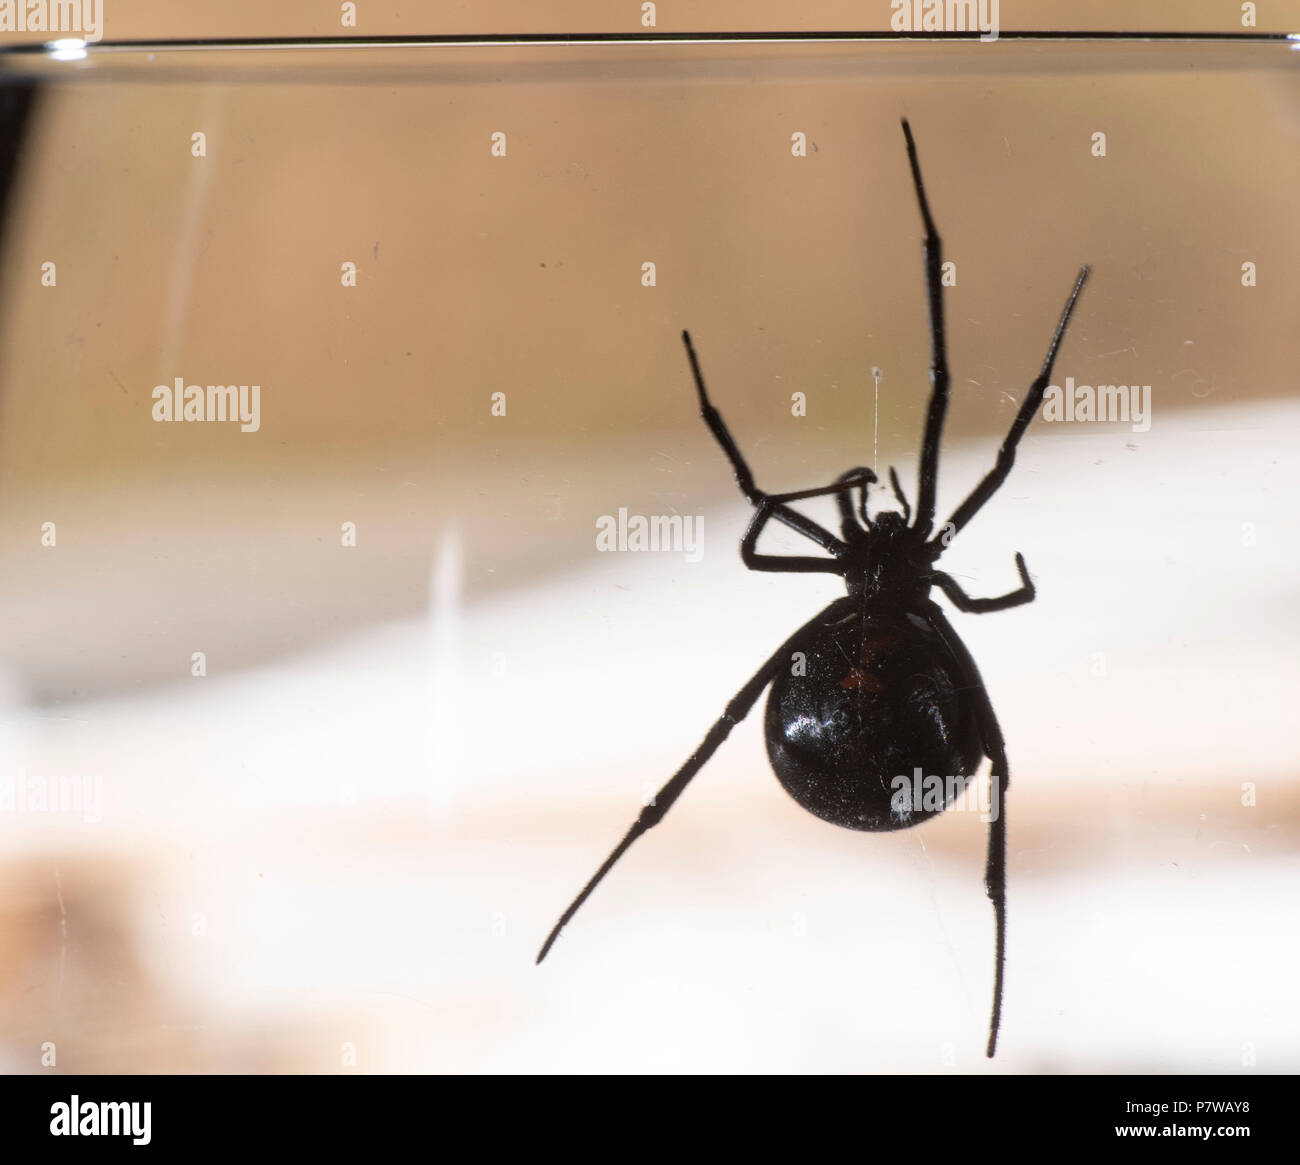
<point>880,684</point>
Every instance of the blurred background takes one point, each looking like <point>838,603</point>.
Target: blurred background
<point>339,848</point>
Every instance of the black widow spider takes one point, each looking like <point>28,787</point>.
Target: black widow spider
<point>880,684</point>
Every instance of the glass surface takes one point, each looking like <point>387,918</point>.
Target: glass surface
<point>408,754</point>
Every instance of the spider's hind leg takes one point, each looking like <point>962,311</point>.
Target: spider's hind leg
<point>995,867</point>
<point>736,711</point>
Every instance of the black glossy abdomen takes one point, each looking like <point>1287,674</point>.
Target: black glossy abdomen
<point>880,699</point>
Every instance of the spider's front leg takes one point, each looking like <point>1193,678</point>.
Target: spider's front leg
<point>939,379</point>
<point>796,564</point>
<point>740,467</point>
<point>1028,407</point>
<point>963,602</point>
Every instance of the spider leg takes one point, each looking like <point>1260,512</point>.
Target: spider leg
<point>744,475</point>
<point>995,868</point>
<point>900,495</point>
<point>963,602</point>
<point>736,711</point>
<point>798,564</point>
<point>939,389</point>
<point>1029,406</point>
<point>848,523</point>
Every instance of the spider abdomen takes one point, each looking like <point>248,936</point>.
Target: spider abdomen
<point>871,713</point>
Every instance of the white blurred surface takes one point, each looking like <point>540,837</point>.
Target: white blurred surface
<point>379,834</point>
